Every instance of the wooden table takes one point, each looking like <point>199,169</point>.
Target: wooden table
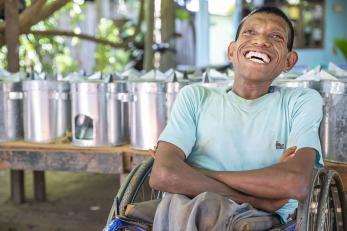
<point>19,156</point>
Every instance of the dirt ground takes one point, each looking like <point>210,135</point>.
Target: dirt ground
<point>75,201</point>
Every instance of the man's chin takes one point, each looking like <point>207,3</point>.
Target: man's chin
<point>257,72</point>
<point>260,79</point>
<point>256,75</point>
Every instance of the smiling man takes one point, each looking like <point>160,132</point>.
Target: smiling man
<point>223,148</point>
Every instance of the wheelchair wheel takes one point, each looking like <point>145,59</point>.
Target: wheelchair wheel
<point>307,212</point>
<point>332,205</point>
<point>115,206</point>
<point>325,207</point>
<point>138,188</point>
<point>125,184</point>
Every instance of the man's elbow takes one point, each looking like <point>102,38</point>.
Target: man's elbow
<point>159,179</point>
<point>298,186</point>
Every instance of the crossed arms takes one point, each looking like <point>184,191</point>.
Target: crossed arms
<point>268,188</point>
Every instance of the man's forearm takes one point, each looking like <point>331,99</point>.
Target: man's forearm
<point>190,182</point>
<point>256,183</point>
<point>183,179</point>
<point>170,173</point>
<point>279,181</point>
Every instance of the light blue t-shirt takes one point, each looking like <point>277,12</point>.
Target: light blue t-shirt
<point>218,130</point>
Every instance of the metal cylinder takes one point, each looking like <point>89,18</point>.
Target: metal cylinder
<point>298,83</point>
<point>46,110</point>
<point>333,130</point>
<point>117,113</point>
<point>88,105</point>
<point>173,89</point>
<point>149,109</point>
<point>11,111</point>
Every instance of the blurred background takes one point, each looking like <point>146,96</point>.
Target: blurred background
<point>115,35</point>
<point>135,45</point>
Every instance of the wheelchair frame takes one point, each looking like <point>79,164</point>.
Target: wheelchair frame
<point>325,208</point>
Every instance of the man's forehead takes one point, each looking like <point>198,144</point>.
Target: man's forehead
<point>262,17</point>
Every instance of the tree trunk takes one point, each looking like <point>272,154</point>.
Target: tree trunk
<point>167,16</point>
<point>148,56</point>
<point>12,34</point>
<point>12,43</point>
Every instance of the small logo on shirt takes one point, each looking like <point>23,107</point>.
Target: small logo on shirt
<point>279,145</point>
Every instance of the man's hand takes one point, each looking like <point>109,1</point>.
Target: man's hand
<point>151,152</point>
<point>294,169</point>
<point>288,154</point>
<point>269,205</point>
<point>170,173</point>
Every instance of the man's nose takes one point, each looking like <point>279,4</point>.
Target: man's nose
<point>262,40</point>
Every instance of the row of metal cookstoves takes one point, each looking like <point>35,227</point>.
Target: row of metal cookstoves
<point>121,112</point>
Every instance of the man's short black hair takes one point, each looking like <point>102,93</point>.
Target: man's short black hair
<point>271,10</point>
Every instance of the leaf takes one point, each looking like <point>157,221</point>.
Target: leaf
<point>183,14</point>
<point>341,44</point>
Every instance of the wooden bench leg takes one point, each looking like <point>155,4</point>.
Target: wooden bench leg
<point>39,186</point>
<point>17,186</point>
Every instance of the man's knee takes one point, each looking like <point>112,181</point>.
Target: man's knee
<point>211,209</point>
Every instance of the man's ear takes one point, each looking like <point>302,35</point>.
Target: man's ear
<point>292,58</point>
<point>231,50</point>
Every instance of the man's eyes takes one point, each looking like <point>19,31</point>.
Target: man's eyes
<point>248,32</point>
<point>274,36</point>
<point>277,37</point>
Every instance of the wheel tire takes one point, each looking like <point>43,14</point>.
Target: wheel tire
<point>134,184</point>
<point>307,211</point>
<point>332,205</point>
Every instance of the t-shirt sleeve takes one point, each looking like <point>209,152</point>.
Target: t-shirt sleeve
<point>307,115</point>
<point>181,126</point>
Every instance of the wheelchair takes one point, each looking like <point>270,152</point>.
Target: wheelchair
<point>324,209</point>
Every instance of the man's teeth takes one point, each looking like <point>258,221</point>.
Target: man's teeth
<point>257,60</point>
<point>258,57</point>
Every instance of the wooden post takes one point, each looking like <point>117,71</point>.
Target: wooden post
<point>11,40</point>
<point>148,56</point>
<point>167,16</point>
<point>39,186</point>
<point>17,186</point>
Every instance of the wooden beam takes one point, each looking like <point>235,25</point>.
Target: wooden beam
<point>64,161</point>
<point>66,147</point>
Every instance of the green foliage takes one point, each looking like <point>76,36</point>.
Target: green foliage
<point>3,57</point>
<point>50,54</point>
<point>341,44</point>
<point>108,59</point>
<point>183,14</point>
<point>46,54</point>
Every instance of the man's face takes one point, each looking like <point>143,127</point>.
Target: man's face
<point>260,52</point>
